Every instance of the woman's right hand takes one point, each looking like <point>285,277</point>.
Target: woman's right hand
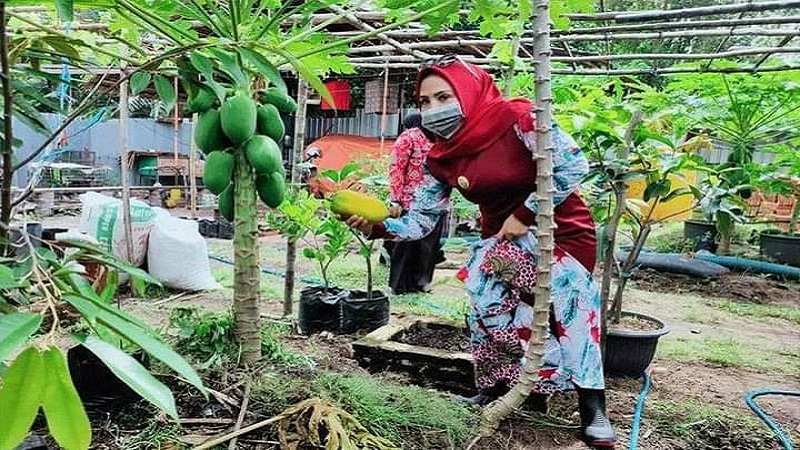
<point>359,223</point>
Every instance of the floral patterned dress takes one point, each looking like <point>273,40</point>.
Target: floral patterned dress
<point>499,278</point>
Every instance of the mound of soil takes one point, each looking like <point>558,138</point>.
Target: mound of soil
<point>732,286</point>
<point>435,336</point>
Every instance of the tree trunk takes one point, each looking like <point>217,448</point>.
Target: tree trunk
<point>498,410</point>
<point>795,215</point>
<point>246,275</point>
<point>725,237</point>
<point>8,135</point>
<point>627,266</point>
<point>288,281</point>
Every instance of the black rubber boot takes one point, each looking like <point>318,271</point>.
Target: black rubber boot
<point>596,429</point>
<point>485,396</point>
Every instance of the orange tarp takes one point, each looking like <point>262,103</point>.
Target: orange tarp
<point>340,149</point>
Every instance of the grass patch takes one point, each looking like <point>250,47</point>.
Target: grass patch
<point>448,306</point>
<point>693,316</point>
<point>759,311</point>
<point>351,273</point>
<point>728,353</point>
<point>391,411</point>
<point>707,426</point>
<point>409,416</point>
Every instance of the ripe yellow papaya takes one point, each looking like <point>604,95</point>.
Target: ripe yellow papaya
<point>208,133</point>
<point>352,203</point>
<point>218,171</point>
<point>271,189</point>
<point>238,117</point>
<point>225,203</point>
<point>263,154</point>
<point>269,122</point>
<point>283,102</point>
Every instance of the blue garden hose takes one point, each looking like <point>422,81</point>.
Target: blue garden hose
<point>750,400</point>
<point>637,413</point>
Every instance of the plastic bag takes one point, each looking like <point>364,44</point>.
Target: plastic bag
<point>177,254</point>
<point>101,217</point>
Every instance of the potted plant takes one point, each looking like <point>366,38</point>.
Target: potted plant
<point>304,218</point>
<point>784,179</point>
<point>625,156</point>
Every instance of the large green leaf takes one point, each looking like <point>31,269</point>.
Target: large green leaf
<point>202,63</point>
<point>8,279</point>
<point>92,307</point>
<point>127,369</point>
<point>310,77</point>
<point>154,347</point>
<point>20,397</point>
<point>139,82</point>
<point>15,329</point>
<point>64,9</point>
<point>265,67</point>
<point>66,418</point>
<point>166,91</point>
<point>228,64</point>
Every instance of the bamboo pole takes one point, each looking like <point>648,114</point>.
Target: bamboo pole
<point>584,38</point>
<point>383,107</point>
<point>192,170</point>
<point>595,58</point>
<point>175,120</point>
<point>641,16</point>
<point>297,150</point>
<point>613,72</point>
<point>350,17</point>
<point>124,160</point>
<point>766,56</point>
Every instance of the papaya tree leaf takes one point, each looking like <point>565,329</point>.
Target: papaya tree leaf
<point>64,10</point>
<point>15,329</point>
<point>308,75</point>
<point>153,346</point>
<point>202,63</point>
<point>131,372</point>
<point>166,92</point>
<point>139,82</point>
<point>8,279</point>
<point>66,418</point>
<point>20,397</point>
<point>227,64</point>
<point>265,67</point>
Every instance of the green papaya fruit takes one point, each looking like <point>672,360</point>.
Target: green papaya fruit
<point>283,102</point>
<point>238,117</point>
<point>225,201</point>
<point>271,189</point>
<point>208,133</point>
<point>202,101</point>
<point>269,122</point>
<point>218,171</point>
<point>263,154</point>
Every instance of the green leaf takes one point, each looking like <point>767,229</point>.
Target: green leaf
<point>202,63</point>
<point>228,64</point>
<point>166,92</point>
<point>265,67</point>
<point>64,9</point>
<point>127,369</point>
<point>139,82</point>
<point>218,89</point>
<point>66,418</point>
<point>20,397</point>
<point>154,347</point>
<point>112,283</point>
<point>15,329</point>
<point>309,253</point>
<point>309,76</point>
<point>8,279</point>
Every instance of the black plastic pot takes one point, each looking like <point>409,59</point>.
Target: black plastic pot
<point>781,247</point>
<point>629,352</point>
<point>704,233</point>
<point>224,229</point>
<point>320,310</point>
<point>208,228</point>
<point>360,314</point>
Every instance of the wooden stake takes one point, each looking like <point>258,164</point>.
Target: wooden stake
<point>124,162</point>
<point>642,16</point>
<point>383,110</point>
<point>192,171</point>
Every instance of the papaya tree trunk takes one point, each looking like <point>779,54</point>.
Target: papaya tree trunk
<point>288,281</point>
<point>501,408</point>
<point>8,137</point>
<point>795,215</point>
<point>246,275</point>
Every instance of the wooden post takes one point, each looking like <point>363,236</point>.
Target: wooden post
<point>297,150</point>
<point>124,161</point>
<point>385,100</point>
<point>192,172</point>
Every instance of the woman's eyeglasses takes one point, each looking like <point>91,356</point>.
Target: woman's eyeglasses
<point>444,61</point>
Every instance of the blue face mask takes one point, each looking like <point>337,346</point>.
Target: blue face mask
<point>443,120</point>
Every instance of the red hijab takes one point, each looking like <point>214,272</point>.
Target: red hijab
<point>487,114</point>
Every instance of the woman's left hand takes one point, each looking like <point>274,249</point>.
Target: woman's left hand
<point>512,228</point>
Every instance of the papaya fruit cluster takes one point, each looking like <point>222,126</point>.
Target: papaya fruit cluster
<point>351,203</point>
<point>240,124</point>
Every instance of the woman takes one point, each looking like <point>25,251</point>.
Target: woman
<point>483,148</point>
<point>412,262</point>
